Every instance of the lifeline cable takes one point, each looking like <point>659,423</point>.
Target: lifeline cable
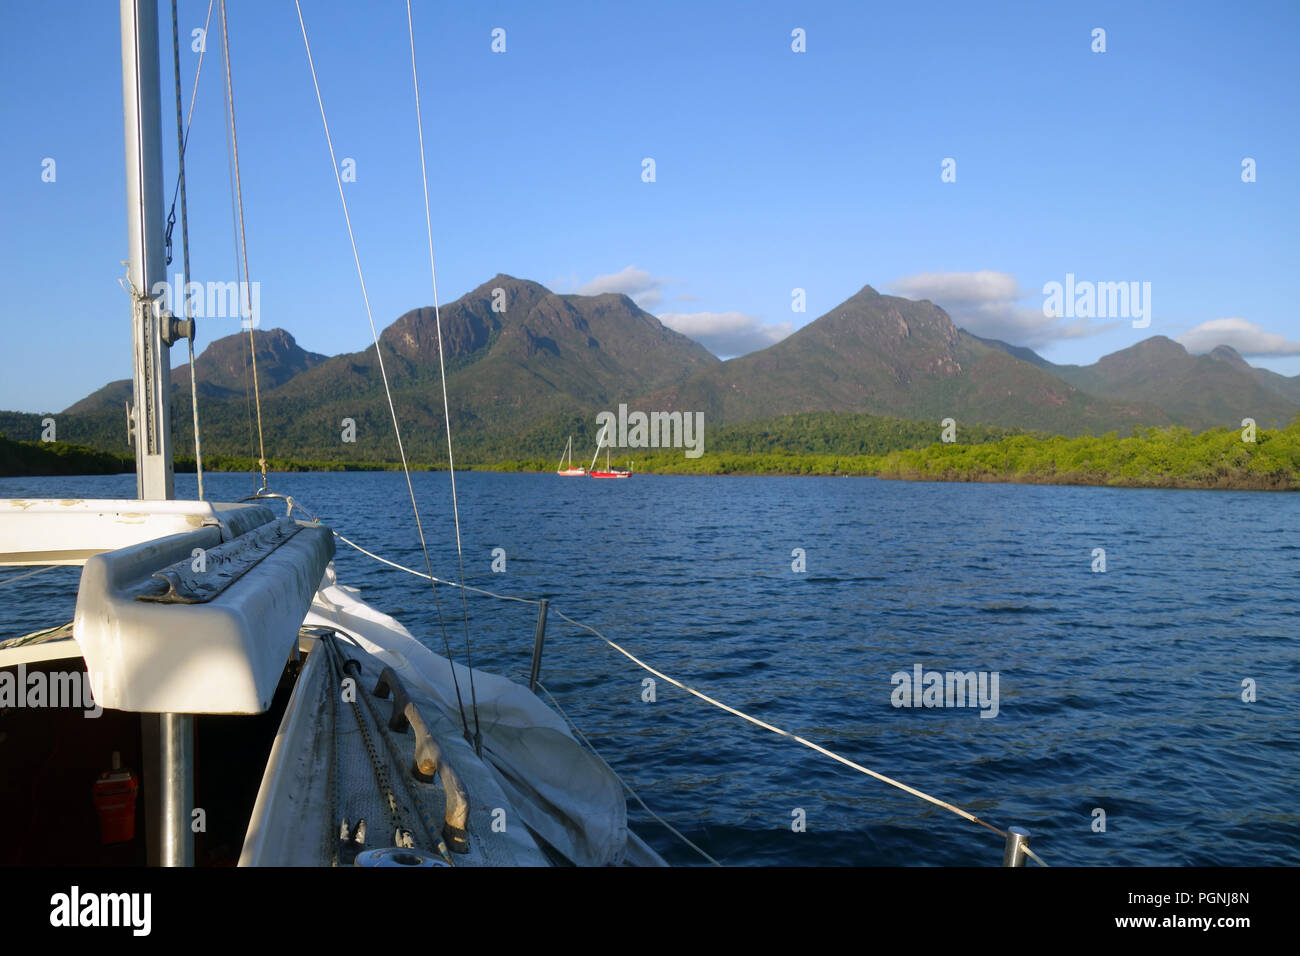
<point>19,577</point>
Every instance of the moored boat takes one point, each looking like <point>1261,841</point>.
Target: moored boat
<point>609,471</point>
<point>571,470</point>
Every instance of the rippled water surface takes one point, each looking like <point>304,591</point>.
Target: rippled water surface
<point>1119,690</point>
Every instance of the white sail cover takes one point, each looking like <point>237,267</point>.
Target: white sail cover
<point>563,793</point>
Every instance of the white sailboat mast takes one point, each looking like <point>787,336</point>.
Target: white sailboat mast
<point>145,230</point>
<point>168,739</point>
<point>600,439</point>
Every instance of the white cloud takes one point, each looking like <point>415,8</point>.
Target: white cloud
<point>967,288</point>
<point>987,304</point>
<point>643,288</point>
<point>727,334</point>
<point>1246,337</point>
<point>1023,325</point>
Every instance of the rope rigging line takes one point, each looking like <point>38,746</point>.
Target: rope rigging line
<point>234,231</point>
<point>185,137</point>
<point>182,141</point>
<point>242,239</point>
<point>442,370</point>
<point>194,95</point>
<point>379,354</point>
<point>635,796</point>
<point>964,814</point>
<point>19,577</point>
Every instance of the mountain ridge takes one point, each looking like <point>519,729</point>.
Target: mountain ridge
<point>1197,391</point>
<point>888,355</point>
<point>525,364</point>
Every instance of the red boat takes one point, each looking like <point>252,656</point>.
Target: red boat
<point>608,472</point>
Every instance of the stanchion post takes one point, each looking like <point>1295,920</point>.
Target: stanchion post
<point>1017,843</point>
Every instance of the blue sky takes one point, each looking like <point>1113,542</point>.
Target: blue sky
<point>775,170</point>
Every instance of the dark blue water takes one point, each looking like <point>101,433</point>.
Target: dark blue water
<point>1119,690</point>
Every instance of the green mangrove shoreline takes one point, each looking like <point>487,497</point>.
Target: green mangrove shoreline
<point>1151,458</point>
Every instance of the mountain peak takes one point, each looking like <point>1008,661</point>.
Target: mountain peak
<point>223,364</point>
<point>1158,349</point>
<point>510,284</point>
<point>1162,343</point>
<point>1226,353</point>
<point>222,369</point>
<point>891,318</point>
